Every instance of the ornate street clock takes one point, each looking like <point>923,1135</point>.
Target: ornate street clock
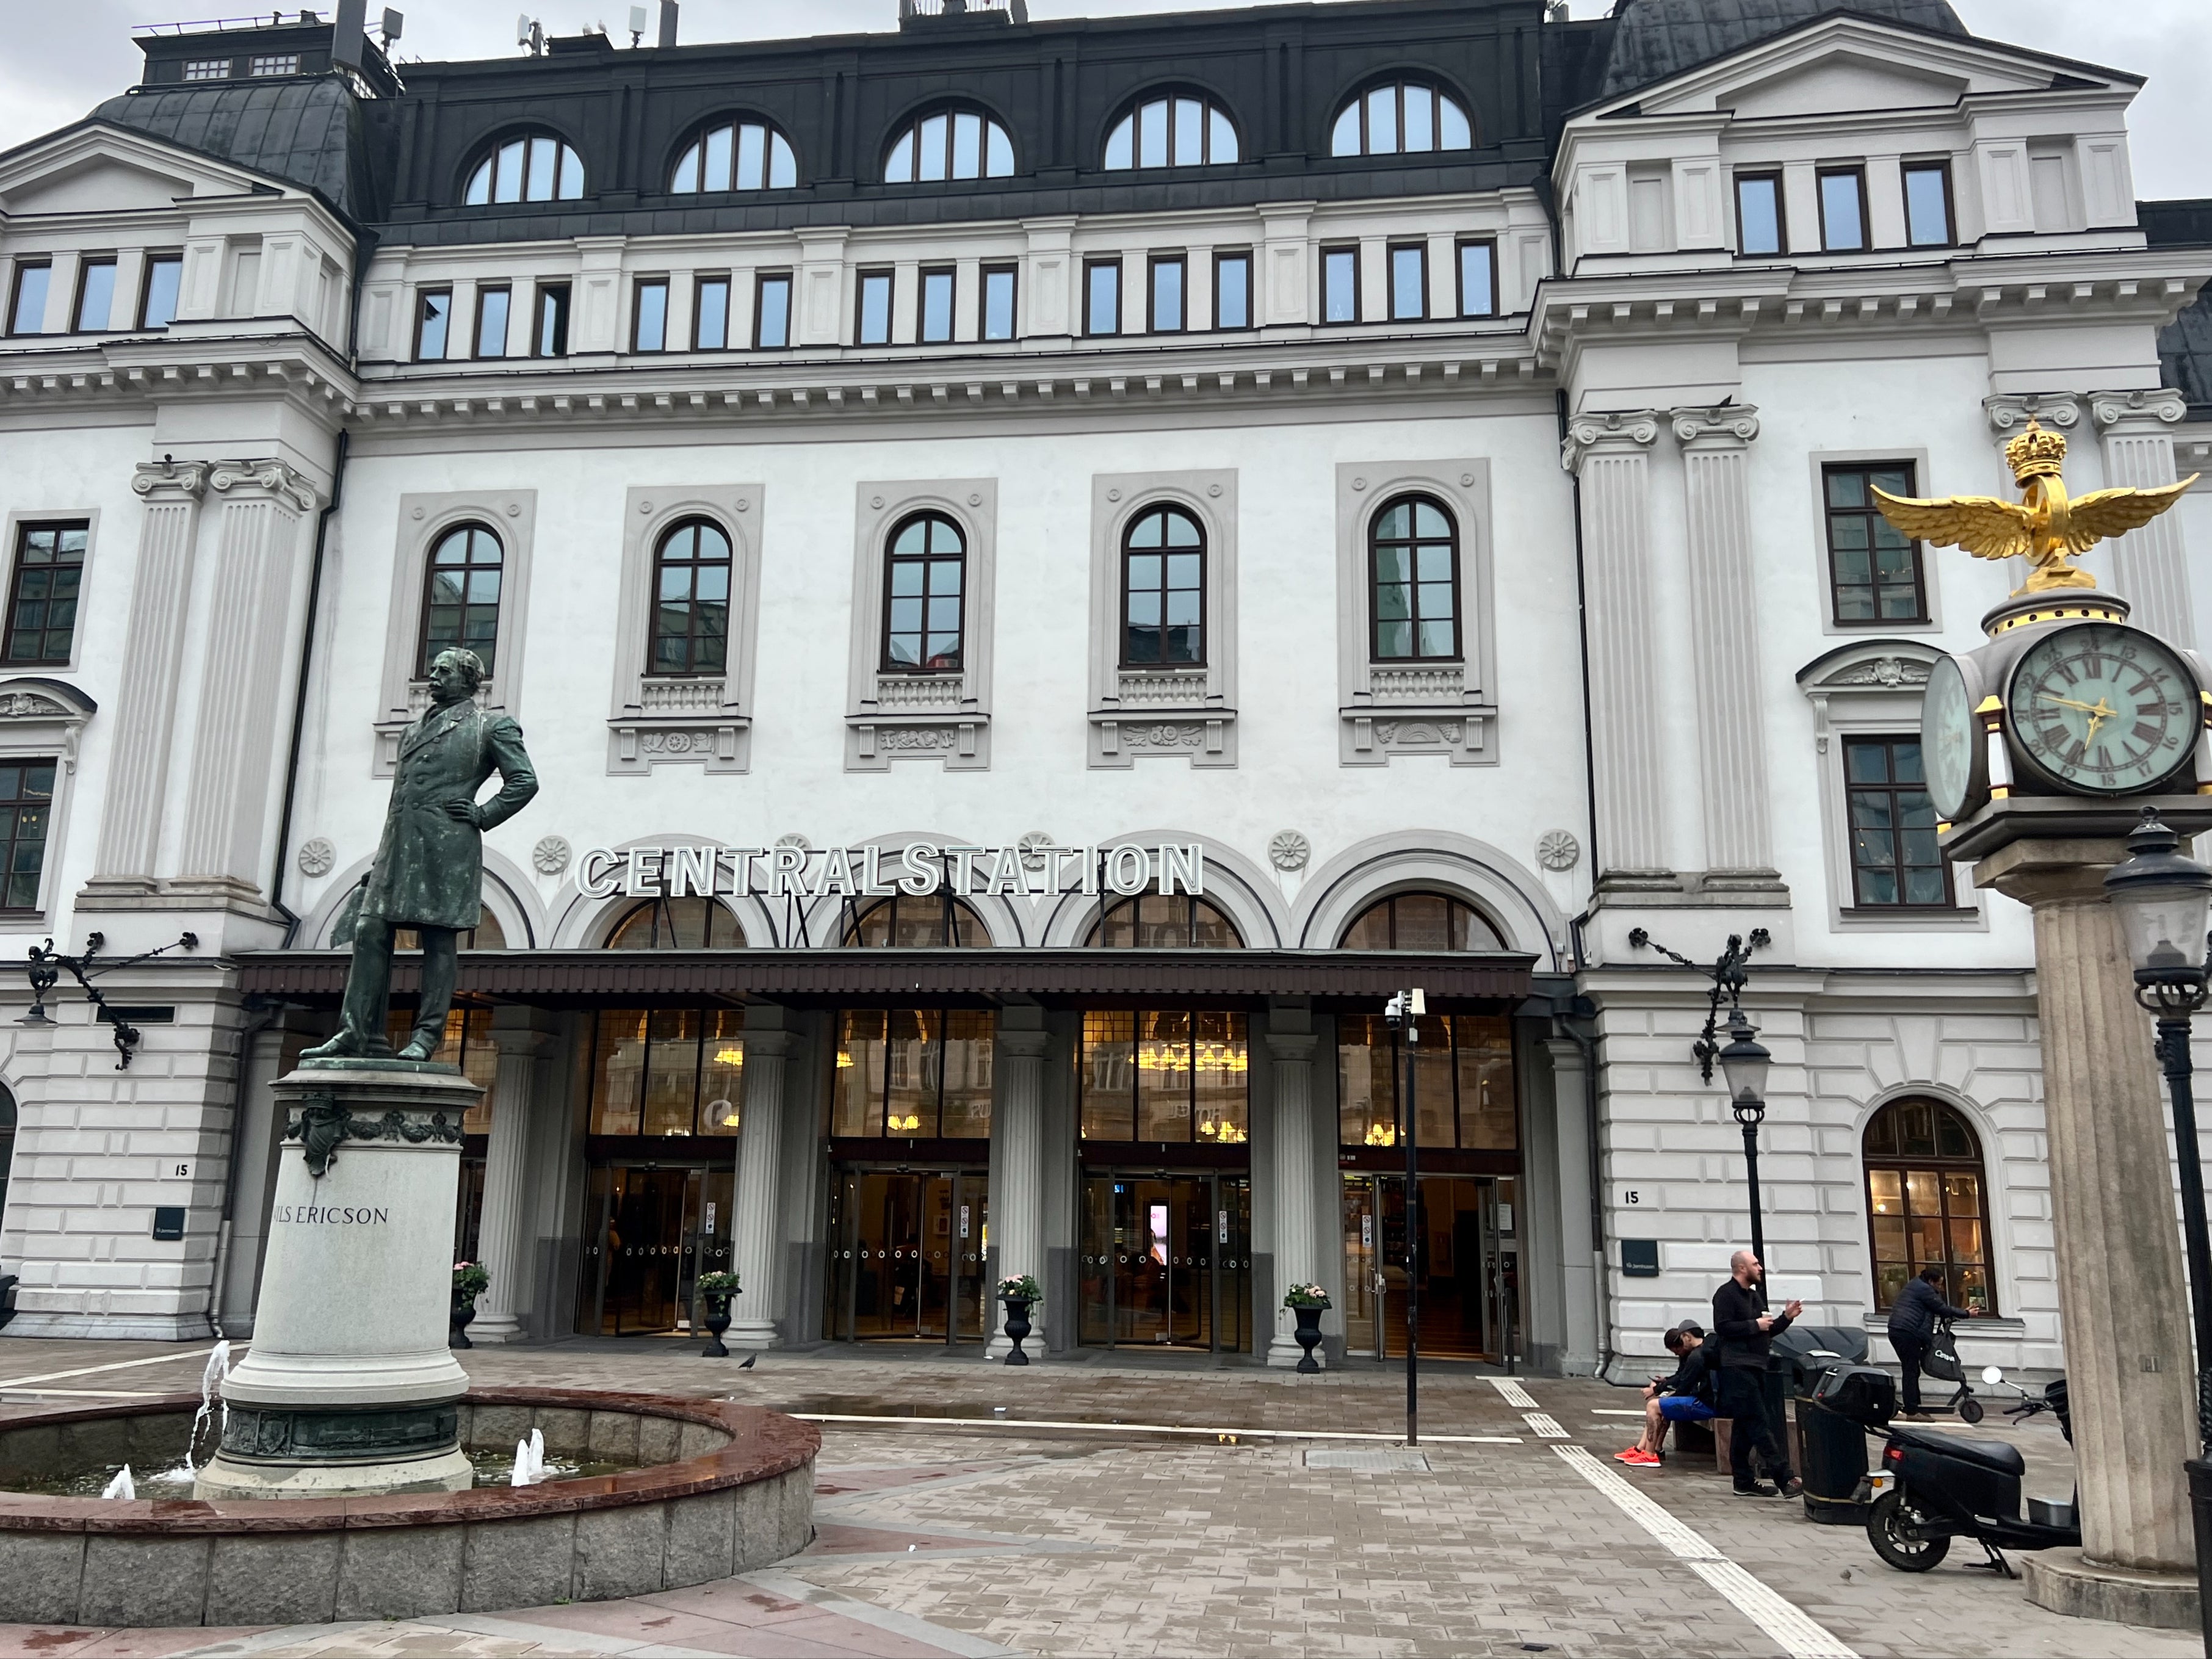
<point>2101,709</point>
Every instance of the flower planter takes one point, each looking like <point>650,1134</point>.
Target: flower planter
<point>1309,1337</point>
<point>1018,1329</point>
<point>717,1311</point>
<point>465,1313</point>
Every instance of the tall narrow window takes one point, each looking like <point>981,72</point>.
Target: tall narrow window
<point>1478,279</point>
<point>1163,590</point>
<point>95,295</point>
<point>710,314</point>
<point>1339,284</point>
<point>552,332</point>
<point>1928,204</point>
<point>1409,283</point>
<point>492,305</point>
<point>27,314</point>
<point>937,305</point>
<point>42,594</point>
<point>1406,117</point>
<point>533,168</point>
<point>1416,574</point>
<point>1101,297</point>
<point>1894,863</point>
<point>649,327</point>
<point>1758,214</point>
<point>738,155</point>
<point>691,600</point>
<point>27,799</point>
<point>461,599</point>
<point>999,290</point>
<point>434,317</point>
<point>924,592</point>
<point>1181,131</point>
<point>1166,296</point>
<point>1927,1204</point>
<point>875,309</point>
<point>772,311</point>
<point>1874,570</point>
<point>949,144</point>
<point>157,300</point>
<point>1232,289</point>
<point>1843,210</point>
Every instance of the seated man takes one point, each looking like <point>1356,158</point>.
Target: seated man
<point>1684,1397</point>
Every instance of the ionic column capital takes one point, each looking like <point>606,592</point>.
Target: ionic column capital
<point>2008,411</point>
<point>1292,1046</point>
<point>168,481</point>
<point>1728,426</point>
<point>2127,413</point>
<point>1024,1045</point>
<point>272,479</point>
<point>1620,430</point>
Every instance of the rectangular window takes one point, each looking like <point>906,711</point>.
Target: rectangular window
<point>1340,285</point>
<point>95,294</point>
<point>207,69</point>
<point>1465,1083</point>
<point>875,313</point>
<point>1409,283</point>
<point>1478,279</point>
<point>1232,290</point>
<point>1928,204</point>
<point>27,799</point>
<point>1102,297</point>
<point>1178,1076</point>
<point>1165,297</point>
<point>27,313</point>
<point>492,305</point>
<point>1843,210</point>
<point>1894,863</point>
<point>913,1075</point>
<point>664,1071</point>
<point>157,300</point>
<point>275,62</point>
<point>1758,214</point>
<point>1874,571</point>
<point>772,311</point>
<point>433,318</point>
<point>42,595</point>
<point>998,289</point>
<point>551,334</point>
<point>710,314</point>
<point>649,329</point>
<point>937,305</point>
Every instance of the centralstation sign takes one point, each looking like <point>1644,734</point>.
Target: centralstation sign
<point>1032,870</point>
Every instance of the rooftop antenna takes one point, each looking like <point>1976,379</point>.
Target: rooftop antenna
<point>637,25</point>
<point>393,22</point>
<point>529,35</point>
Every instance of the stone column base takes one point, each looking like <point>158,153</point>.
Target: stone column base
<point>494,1327</point>
<point>749,1334</point>
<point>2063,1581</point>
<point>1284,1353</point>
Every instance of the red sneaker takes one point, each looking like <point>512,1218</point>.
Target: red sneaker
<point>1628,1456</point>
<point>1641,1460</point>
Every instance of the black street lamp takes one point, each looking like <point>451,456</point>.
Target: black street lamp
<point>1403,1013</point>
<point>1743,1064</point>
<point>2163,898</point>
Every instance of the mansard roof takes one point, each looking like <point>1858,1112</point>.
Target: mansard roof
<point>2185,345</point>
<point>1653,40</point>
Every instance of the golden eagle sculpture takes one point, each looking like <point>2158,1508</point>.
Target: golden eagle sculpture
<point>2045,525</point>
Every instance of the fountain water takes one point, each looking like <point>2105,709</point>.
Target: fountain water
<point>211,1381</point>
<point>122,1486</point>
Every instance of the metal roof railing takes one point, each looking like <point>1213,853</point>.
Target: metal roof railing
<point>261,20</point>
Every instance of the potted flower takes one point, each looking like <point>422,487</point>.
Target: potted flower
<point>1020,1294</point>
<point>470,1281</point>
<point>715,1291</point>
<point>1308,1302</point>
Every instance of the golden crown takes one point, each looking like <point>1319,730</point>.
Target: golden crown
<point>2036,454</point>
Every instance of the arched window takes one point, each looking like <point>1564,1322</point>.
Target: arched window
<point>736,156</point>
<point>1401,117</point>
<point>924,588</point>
<point>1163,590</point>
<point>529,167</point>
<point>1421,921</point>
<point>1927,1202</point>
<point>691,600</point>
<point>1173,130</point>
<point>7,1145</point>
<point>460,598</point>
<point>678,924</point>
<point>949,144</point>
<point>1413,564</point>
<point>1163,921</point>
<point>917,921</point>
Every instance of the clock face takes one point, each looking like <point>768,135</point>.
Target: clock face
<point>2104,710</point>
<point>1949,742</point>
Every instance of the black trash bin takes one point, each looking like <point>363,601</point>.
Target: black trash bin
<point>1833,1420</point>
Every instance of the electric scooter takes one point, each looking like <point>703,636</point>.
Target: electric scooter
<point>1938,1487</point>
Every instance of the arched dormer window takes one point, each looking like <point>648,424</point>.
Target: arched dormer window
<point>1421,921</point>
<point>736,156</point>
<point>949,144</point>
<point>1163,921</point>
<point>527,166</point>
<point>1401,117</point>
<point>1176,129</point>
<point>1927,1202</point>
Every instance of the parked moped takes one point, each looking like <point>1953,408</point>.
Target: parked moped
<point>1934,1487</point>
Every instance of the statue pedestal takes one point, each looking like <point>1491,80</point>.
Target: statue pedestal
<point>349,1386</point>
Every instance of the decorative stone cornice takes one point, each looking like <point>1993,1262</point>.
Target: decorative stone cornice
<point>170,481</point>
<point>2008,411</point>
<point>1728,426</point>
<point>1622,430</point>
<point>242,480</point>
<point>2139,411</point>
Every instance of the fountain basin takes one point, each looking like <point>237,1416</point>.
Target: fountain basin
<point>720,1488</point>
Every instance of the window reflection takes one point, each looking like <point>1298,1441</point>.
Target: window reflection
<point>913,1073</point>
<point>667,1071</point>
<point>1173,1075</point>
<point>1464,1082</point>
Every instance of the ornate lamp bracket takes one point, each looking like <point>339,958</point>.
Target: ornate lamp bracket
<point>43,967</point>
<point>1727,974</point>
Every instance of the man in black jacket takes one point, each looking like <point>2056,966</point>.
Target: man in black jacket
<point>1746,1330</point>
<point>1912,1319</point>
<point>1684,1397</point>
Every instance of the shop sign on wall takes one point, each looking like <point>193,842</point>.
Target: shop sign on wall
<point>788,872</point>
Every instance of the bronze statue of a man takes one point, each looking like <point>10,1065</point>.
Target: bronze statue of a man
<point>428,873</point>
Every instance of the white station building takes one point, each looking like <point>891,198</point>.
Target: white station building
<point>1047,569</point>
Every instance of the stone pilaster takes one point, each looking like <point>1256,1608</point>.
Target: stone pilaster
<point>757,1229</point>
<point>137,776</point>
<point>1610,454</point>
<point>1018,1166</point>
<point>1725,638</point>
<point>2121,1296</point>
<point>503,1229</point>
<point>1297,1227</point>
<point>1580,1339</point>
<point>2150,566</point>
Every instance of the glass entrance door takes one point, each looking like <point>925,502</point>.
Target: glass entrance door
<point>650,1232</point>
<point>1166,1261</point>
<point>1468,1290</point>
<point>907,1255</point>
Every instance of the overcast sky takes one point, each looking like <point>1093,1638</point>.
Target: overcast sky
<point>59,58</point>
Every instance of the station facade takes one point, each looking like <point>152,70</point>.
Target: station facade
<point>1047,569</point>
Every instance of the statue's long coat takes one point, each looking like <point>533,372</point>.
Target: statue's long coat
<point>429,865</point>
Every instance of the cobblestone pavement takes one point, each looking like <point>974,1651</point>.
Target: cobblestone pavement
<point>988,1535</point>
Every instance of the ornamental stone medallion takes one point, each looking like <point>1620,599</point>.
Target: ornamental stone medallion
<point>1557,851</point>
<point>316,855</point>
<point>551,856</point>
<point>1032,847</point>
<point>1289,851</point>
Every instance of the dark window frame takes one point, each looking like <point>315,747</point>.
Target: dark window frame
<point>1397,84</point>
<point>1152,265</point>
<point>910,126</point>
<point>1872,516</point>
<point>19,568</point>
<point>697,138</point>
<point>957,920</point>
<point>928,559</point>
<point>1358,310</point>
<point>485,291</point>
<point>1096,939</point>
<point>23,269</point>
<point>877,1119</point>
<point>693,668</point>
<point>1233,256</point>
<point>1939,1164</point>
<point>1089,266</point>
<point>1856,172</point>
<point>1763,176</point>
<point>85,267</point>
<point>708,1016</point>
<point>426,647</point>
<point>1420,250</point>
<point>1414,541</point>
<point>1898,866</point>
<point>553,298</point>
<point>1238,1032</point>
<point>1455,1029</point>
<point>1205,580</point>
<point>1941,166</point>
<point>659,915</point>
<point>1388,905</point>
<point>701,282</point>
<point>761,280</point>
<point>1013,273</point>
<point>146,288</point>
<point>423,299</point>
<point>1460,250</point>
<point>12,842</point>
<point>863,279</point>
<point>950,275</point>
<point>637,314</point>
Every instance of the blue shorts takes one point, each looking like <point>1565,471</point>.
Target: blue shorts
<point>1684,1408</point>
